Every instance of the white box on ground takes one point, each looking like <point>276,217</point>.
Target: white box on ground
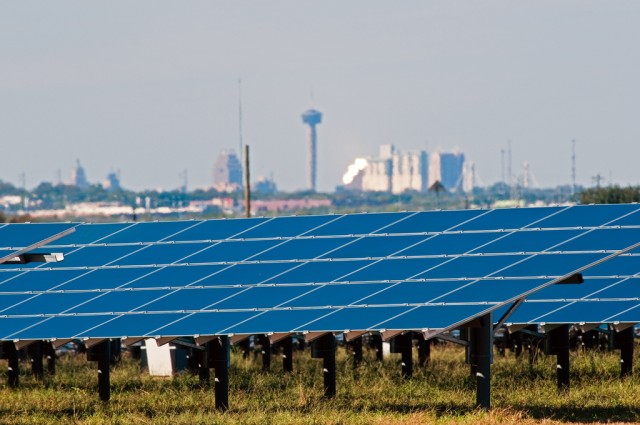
<point>158,358</point>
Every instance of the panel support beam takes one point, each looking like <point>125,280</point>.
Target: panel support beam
<point>376,340</point>
<point>404,344</point>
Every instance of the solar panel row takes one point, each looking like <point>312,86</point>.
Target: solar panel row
<point>391,271</point>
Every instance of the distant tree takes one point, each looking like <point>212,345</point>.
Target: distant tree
<point>610,195</point>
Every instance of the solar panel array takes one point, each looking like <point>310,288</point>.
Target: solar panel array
<point>334,273</point>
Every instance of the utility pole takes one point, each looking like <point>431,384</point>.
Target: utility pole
<point>573,167</point>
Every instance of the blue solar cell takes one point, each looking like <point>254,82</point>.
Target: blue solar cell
<point>247,274</point>
<point>353,318</point>
<point>9,300</point>
<point>63,327</point>
<point>628,220</point>
<point>324,271</point>
<point>204,323</point>
<point>49,303</point>
<point>12,325</point>
<point>26,234</point>
<point>572,291</point>
<point>120,301</point>
<point>341,294</point>
<point>94,279</point>
<point>93,256</point>
<point>277,321</point>
<point>588,215</point>
<point>451,243</point>
<point>509,218</point>
<point>90,233</point>
<point>191,299</point>
<point>175,276</point>
<point>616,288</point>
<point>529,311</point>
<point>603,239</point>
<point>302,249</point>
<point>472,267</point>
<point>433,221</point>
<point>233,251</point>
<point>628,315</point>
<point>40,280</point>
<point>288,226</point>
<point>434,316</point>
<point>394,269</point>
<point>529,241</point>
<point>376,246</point>
<point>623,265</point>
<point>413,292</point>
<point>492,291</point>
<point>129,325</point>
<point>589,312</point>
<point>262,297</point>
<point>149,232</point>
<point>359,224</point>
<point>162,254</point>
<point>552,264</point>
<point>218,229</point>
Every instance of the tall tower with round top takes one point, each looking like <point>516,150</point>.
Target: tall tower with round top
<point>312,118</point>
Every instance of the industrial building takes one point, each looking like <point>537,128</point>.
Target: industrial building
<point>396,171</point>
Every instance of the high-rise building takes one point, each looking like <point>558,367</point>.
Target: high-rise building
<point>312,118</point>
<point>112,182</point>
<point>78,176</point>
<point>227,172</point>
<point>451,170</point>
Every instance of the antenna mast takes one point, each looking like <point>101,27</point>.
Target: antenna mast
<point>240,143</point>
<point>573,167</point>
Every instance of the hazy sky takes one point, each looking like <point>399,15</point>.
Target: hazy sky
<point>151,87</point>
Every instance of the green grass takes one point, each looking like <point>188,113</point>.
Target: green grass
<point>374,393</point>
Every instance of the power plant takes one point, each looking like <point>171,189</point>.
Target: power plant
<point>312,118</point>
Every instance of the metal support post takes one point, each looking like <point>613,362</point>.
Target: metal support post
<point>405,342</point>
<point>481,342</point>
<point>356,351</point>
<point>103,354</point>
<point>13,371</point>
<point>266,352</point>
<point>203,366</point>
<point>625,339</point>
<point>35,353</point>
<point>219,350</point>
<point>327,350</point>
<point>559,345</point>
<point>287,354</point>
<point>50,354</point>
<point>424,351</point>
<point>245,346</point>
<point>377,345</point>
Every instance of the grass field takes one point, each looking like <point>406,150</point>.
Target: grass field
<point>373,393</point>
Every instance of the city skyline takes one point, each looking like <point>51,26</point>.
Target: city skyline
<point>152,89</point>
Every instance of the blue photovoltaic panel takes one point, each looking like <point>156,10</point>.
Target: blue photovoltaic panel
<point>609,294</point>
<point>14,236</point>
<point>367,272</point>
